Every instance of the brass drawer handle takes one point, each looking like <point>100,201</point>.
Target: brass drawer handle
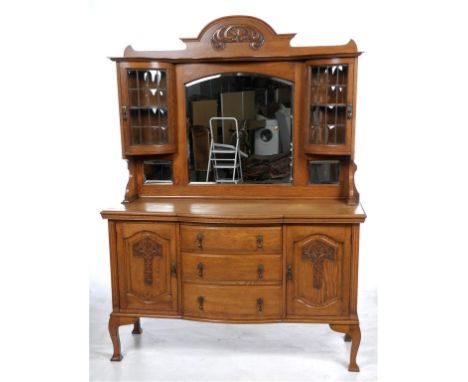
<point>200,240</point>
<point>260,271</point>
<point>200,267</point>
<point>260,304</point>
<point>259,241</point>
<point>174,270</point>
<point>201,301</point>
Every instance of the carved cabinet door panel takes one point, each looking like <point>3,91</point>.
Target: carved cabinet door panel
<point>146,266</point>
<point>318,270</point>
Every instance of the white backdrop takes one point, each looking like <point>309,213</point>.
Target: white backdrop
<point>61,164</point>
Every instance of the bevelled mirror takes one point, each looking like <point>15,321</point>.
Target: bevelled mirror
<point>239,129</point>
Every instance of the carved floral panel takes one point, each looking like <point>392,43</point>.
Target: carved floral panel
<point>237,33</point>
<point>147,249</point>
<point>319,270</point>
<point>147,267</point>
<point>318,251</point>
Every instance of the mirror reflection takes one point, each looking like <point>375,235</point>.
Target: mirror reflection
<point>239,129</point>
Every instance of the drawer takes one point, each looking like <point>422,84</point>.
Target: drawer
<point>231,267</point>
<point>241,239</point>
<point>232,302</point>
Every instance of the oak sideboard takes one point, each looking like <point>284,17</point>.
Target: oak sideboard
<point>241,205</point>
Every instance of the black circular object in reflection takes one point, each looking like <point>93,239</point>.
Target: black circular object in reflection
<point>266,135</point>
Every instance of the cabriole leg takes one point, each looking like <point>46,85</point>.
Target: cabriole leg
<point>356,341</point>
<point>353,334</point>
<point>114,323</point>
<point>137,327</point>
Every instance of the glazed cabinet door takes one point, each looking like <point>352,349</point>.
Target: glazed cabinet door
<point>146,262</point>
<point>147,93</point>
<point>318,270</point>
<point>330,107</point>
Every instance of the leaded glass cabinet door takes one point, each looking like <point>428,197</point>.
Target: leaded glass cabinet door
<point>330,107</point>
<point>147,111</point>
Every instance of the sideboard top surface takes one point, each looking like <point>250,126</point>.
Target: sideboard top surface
<point>238,211</point>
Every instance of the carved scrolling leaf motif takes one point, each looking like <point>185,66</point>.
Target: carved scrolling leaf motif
<point>147,249</point>
<point>237,33</point>
<point>318,251</point>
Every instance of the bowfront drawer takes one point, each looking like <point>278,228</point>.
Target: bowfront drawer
<point>232,302</point>
<point>231,239</point>
<point>231,267</point>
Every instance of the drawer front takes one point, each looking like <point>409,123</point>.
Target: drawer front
<point>231,267</point>
<point>231,239</point>
<point>232,302</point>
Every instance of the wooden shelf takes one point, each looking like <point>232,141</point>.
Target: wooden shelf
<point>328,149</point>
<point>150,149</point>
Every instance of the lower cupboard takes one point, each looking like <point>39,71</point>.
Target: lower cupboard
<point>270,273</point>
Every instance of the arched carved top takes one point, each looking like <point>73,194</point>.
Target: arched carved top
<point>252,22</point>
<point>241,37</point>
<point>239,29</point>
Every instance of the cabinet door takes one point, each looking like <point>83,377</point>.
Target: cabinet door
<point>147,107</point>
<point>146,266</point>
<point>330,107</point>
<point>318,270</point>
